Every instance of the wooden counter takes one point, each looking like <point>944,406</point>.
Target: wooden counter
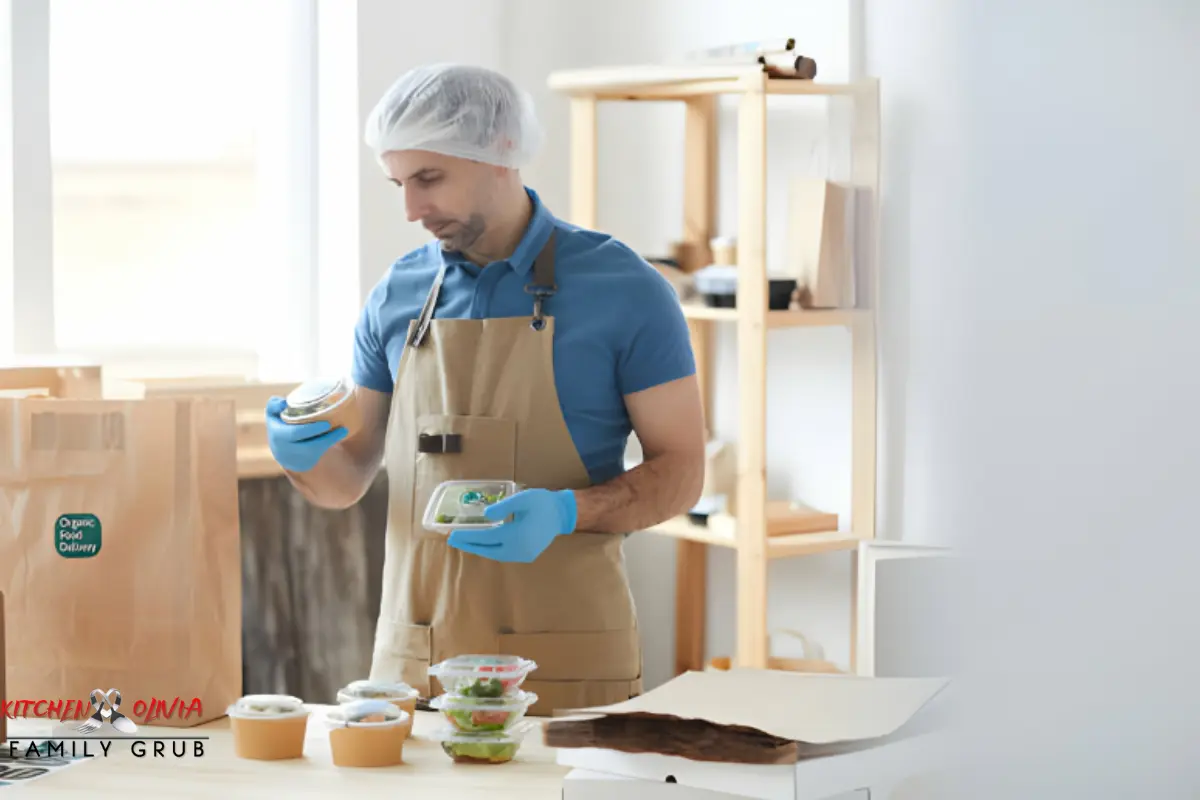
<point>427,771</point>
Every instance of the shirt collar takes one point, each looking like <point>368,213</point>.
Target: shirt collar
<point>541,223</point>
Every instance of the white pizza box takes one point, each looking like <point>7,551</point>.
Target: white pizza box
<point>854,733</point>
<point>580,784</point>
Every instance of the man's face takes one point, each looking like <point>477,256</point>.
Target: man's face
<point>451,197</point>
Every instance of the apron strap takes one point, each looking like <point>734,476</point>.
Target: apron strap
<point>426,315</point>
<point>543,285</point>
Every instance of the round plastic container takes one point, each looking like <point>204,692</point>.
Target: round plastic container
<point>482,748</point>
<point>330,399</point>
<point>484,714</point>
<point>400,695</point>
<point>268,727</point>
<point>367,733</point>
<point>482,675</point>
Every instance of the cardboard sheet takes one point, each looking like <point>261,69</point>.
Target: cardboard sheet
<point>806,708</point>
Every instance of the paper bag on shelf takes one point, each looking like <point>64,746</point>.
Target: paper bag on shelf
<point>120,556</point>
<point>821,242</point>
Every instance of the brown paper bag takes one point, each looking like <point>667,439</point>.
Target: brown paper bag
<point>821,242</point>
<point>120,557</point>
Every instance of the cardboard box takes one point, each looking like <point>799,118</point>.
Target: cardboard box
<point>853,733</point>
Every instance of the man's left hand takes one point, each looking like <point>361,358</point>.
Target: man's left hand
<point>538,515</point>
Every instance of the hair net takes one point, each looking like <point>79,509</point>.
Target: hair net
<point>456,110</point>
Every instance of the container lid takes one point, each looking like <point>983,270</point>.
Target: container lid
<point>365,714</point>
<point>382,690</point>
<point>305,397</point>
<point>459,505</point>
<point>519,700</point>
<point>513,735</point>
<point>472,666</point>
<point>267,705</point>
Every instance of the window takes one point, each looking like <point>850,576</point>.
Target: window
<point>182,184</point>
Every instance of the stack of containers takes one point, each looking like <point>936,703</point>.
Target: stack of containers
<point>484,706</point>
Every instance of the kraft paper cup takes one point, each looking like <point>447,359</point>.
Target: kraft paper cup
<point>367,733</point>
<point>268,727</point>
<point>401,695</point>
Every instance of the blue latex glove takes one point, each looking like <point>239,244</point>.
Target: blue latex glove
<point>538,515</point>
<point>298,448</point>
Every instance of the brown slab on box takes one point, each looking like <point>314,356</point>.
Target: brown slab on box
<point>753,713</point>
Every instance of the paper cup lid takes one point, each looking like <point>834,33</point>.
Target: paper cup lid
<point>379,690</point>
<point>267,706</point>
<point>365,714</point>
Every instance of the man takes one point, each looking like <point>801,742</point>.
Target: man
<point>517,347</point>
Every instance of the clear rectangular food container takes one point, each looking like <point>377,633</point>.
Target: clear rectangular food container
<point>459,505</point>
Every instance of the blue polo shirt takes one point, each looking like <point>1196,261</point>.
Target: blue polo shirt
<point>619,328</point>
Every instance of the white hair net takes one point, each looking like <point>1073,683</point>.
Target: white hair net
<point>456,110</point>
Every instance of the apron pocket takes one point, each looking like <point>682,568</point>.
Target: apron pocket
<point>578,656</point>
<point>486,449</point>
<point>402,653</point>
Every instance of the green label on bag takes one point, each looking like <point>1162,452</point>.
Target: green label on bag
<point>77,535</point>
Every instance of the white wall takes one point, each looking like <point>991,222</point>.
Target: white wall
<point>364,47</point>
<point>641,202</point>
<point>1042,178</point>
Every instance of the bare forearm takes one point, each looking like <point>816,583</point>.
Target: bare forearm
<point>652,492</point>
<point>339,480</point>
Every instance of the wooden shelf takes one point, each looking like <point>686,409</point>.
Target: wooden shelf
<point>791,318</point>
<point>698,87</point>
<point>677,82</point>
<point>721,531</point>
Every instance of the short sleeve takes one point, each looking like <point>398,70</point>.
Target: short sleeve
<point>659,348</point>
<point>370,364</point>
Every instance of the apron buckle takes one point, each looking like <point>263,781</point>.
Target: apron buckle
<point>540,293</point>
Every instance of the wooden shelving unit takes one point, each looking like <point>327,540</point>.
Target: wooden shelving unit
<point>698,88</point>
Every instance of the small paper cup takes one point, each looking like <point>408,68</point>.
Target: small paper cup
<point>268,727</point>
<point>401,695</point>
<point>367,733</point>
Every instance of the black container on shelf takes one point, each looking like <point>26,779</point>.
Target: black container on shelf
<point>718,286</point>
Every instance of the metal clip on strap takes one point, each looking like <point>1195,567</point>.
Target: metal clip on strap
<point>543,285</point>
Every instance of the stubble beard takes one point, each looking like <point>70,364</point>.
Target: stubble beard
<point>467,235</point>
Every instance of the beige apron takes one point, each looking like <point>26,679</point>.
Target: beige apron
<point>476,399</point>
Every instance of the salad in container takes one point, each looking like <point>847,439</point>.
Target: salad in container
<point>367,733</point>
<point>399,694</point>
<point>482,675</point>
<point>268,727</point>
<point>484,714</point>
<point>459,505</point>
<point>498,747</point>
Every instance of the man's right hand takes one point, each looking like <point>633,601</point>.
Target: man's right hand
<point>298,448</point>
